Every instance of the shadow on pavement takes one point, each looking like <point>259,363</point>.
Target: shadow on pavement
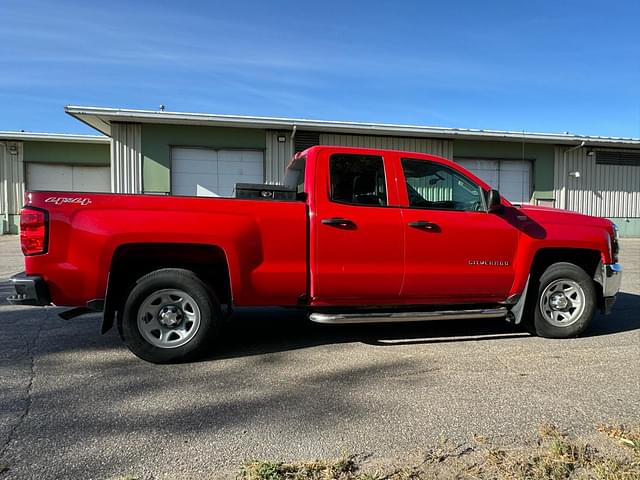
<point>260,331</point>
<point>624,317</point>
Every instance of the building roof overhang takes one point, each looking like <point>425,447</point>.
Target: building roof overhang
<point>55,137</point>
<point>101,119</point>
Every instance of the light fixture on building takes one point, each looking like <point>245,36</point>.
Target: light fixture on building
<point>591,153</point>
<point>282,138</point>
<point>13,149</point>
<point>575,174</point>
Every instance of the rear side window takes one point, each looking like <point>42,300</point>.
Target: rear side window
<point>294,176</point>
<point>358,179</point>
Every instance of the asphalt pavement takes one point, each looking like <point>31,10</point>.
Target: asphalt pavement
<point>76,404</point>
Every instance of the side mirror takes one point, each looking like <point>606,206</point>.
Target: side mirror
<point>494,204</point>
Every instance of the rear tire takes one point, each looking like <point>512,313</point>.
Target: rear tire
<point>565,302</point>
<point>170,316</point>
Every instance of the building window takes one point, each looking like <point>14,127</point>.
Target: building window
<point>618,157</point>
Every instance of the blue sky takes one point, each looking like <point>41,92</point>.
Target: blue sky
<point>550,66</point>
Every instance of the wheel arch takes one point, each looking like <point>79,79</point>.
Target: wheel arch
<point>132,261</point>
<point>585,258</point>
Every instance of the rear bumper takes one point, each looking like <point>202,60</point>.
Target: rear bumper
<point>609,276</point>
<point>30,290</point>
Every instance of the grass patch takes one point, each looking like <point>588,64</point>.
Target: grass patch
<point>343,468</point>
<point>627,436</point>
<point>554,455</point>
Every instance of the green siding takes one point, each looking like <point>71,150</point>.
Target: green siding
<point>69,153</point>
<point>627,227</point>
<point>542,154</point>
<point>157,141</point>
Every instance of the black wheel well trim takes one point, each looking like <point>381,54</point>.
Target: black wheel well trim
<point>116,295</point>
<point>589,259</point>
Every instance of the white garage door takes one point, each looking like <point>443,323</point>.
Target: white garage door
<point>511,177</point>
<point>205,172</point>
<point>76,178</point>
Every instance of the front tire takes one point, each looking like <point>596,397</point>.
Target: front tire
<point>170,316</point>
<point>565,303</point>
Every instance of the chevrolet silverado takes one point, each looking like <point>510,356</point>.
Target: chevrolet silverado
<point>354,236</point>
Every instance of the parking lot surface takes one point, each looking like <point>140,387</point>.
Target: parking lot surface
<point>77,404</point>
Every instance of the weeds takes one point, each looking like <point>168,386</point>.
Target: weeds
<point>629,437</point>
<point>342,469</point>
<point>555,456</point>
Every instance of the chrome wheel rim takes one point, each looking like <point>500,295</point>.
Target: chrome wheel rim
<point>168,318</point>
<point>562,302</point>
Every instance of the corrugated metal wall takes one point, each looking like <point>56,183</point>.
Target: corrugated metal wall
<point>11,182</point>
<point>443,148</point>
<point>277,156</point>
<point>601,190</point>
<point>126,158</point>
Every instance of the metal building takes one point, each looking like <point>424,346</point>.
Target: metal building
<point>45,161</point>
<point>174,153</point>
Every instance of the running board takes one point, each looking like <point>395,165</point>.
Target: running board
<point>385,317</point>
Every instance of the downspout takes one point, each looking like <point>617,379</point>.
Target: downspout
<point>565,173</point>
<point>6,168</point>
<point>292,152</point>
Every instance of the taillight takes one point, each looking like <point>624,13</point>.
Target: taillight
<point>33,231</point>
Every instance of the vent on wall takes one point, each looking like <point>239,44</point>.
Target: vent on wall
<point>304,140</point>
<point>618,157</point>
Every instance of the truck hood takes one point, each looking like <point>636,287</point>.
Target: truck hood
<point>554,216</point>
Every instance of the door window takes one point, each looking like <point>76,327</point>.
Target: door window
<point>436,186</point>
<point>358,179</point>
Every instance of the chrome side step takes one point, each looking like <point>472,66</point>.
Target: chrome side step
<point>384,317</point>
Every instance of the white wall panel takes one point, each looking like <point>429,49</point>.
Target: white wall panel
<point>443,148</point>
<point>277,156</point>
<point>11,178</point>
<point>126,157</point>
<point>601,190</point>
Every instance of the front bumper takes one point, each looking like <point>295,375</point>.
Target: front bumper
<point>30,290</point>
<point>609,277</point>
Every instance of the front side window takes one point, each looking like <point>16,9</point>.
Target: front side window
<point>438,187</point>
<point>357,179</point>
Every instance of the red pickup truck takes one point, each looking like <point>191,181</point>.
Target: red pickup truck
<point>357,236</point>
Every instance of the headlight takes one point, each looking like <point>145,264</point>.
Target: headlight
<point>615,244</point>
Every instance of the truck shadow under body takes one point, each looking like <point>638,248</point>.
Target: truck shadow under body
<point>262,331</point>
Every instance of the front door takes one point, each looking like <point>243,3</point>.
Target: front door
<point>455,251</point>
<point>357,240</point>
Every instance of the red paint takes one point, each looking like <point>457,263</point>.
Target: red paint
<point>377,260</point>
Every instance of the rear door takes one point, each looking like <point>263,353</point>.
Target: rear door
<point>455,251</point>
<point>357,240</point>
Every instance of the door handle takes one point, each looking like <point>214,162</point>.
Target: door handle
<point>338,222</point>
<point>424,225</point>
